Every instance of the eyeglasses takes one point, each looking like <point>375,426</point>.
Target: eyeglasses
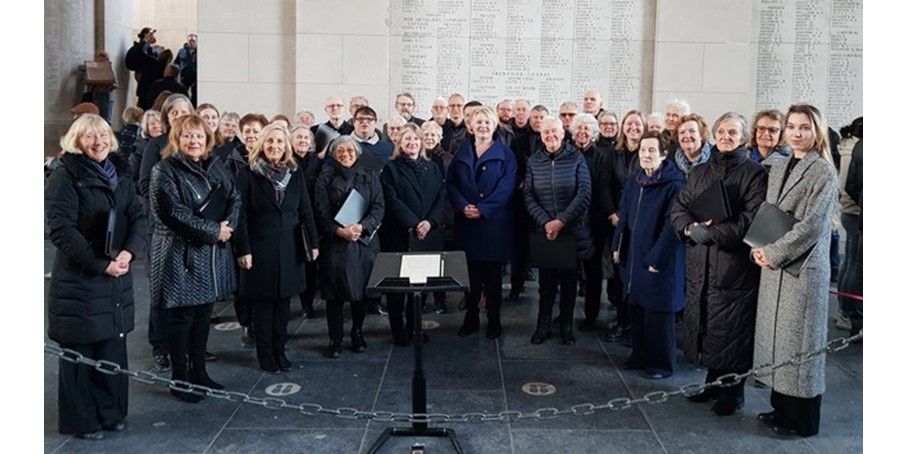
<point>365,119</point>
<point>334,106</point>
<point>568,114</point>
<point>763,129</point>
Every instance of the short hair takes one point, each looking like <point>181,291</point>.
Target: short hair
<point>280,116</point>
<point>253,118</point>
<point>183,123</point>
<point>700,123</point>
<point>354,97</point>
<point>396,118</point>
<point>455,95</point>
<point>132,114</point>
<point>472,103</point>
<point>430,126</point>
<point>171,70</point>
<point>503,101</point>
<point>552,118</point>
<point>569,104</point>
<point>587,119</point>
<point>661,138</point>
<point>606,113</point>
<point>365,110</point>
<point>487,112</point>
<point>85,124</point>
<point>146,118</point>
<point>206,106</point>
<point>168,106</point>
<point>773,114</point>
<point>258,148</point>
<point>680,104</point>
<point>741,122</point>
<point>439,99</point>
<point>309,112</point>
<point>158,103</point>
<point>414,129</point>
<point>818,123</point>
<point>522,100</point>
<point>657,115</point>
<point>344,139</point>
<point>621,138</point>
<point>406,94</point>
<point>229,116</point>
<point>539,108</point>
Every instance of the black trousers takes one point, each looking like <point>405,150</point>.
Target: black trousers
<point>269,320</point>
<point>188,335</point>
<point>307,298</point>
<point>592,269</point>
<point>731,392</point>
<point>652,336</point>
<point>243,308</point>
<point>484,276</point>
<point>797,413</point>
<point>87,398</point>
<point>850,278</point>
<point>549,280</point>
<point>395,313</point>
<point>334,312</point>
<point>158,335</point>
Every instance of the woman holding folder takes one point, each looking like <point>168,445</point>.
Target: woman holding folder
<point>652,261</point>
<point>275,238</point>
<point>194,207</point>
<point>558,192</point>
<point>349,207</point>
<point>712,214</point>
<point>414,200</point>
<point>793,310</point>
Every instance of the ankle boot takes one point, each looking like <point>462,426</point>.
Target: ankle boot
<point>179,372</point>
<point>470,324</point>
<point>542,329</point>
<point>567,331</point>
<point>357,340</point>
<point>198,374</point>
<point>335,349</point>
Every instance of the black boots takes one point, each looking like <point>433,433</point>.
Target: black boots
<point>567,331</point>
<point>470,323</point>
<point>335,349</point>
<point>358,342</point>
<point>198,374</point>
<point>180,373</point>
<point>542,329</point>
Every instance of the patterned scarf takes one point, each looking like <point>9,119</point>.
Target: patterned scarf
<point>279,176</point>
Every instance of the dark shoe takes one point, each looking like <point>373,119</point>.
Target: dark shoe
<point>470,325</point>
<point>283,363</point>
<point>513,295</point>
<point>767,419</point>
<point>702,397</point>
<point>115,427</point>
<point>542,330</point>
<point>247,338</point>
<point>199,376</point>
<point>657,375</point>
<point>93,436</point>
<point>185,396</point>
<point>161,363</point>
<point>493,331</point>
<point>586,325</point>
<point>335,349</point>
<point>785,431</point>
<point>617,335</point>
<point>268,366</point>
<point>210,356</point>
<point>726,407</point>
<point>440,307</point>
<point>358,342</point>
<point>567,337</point>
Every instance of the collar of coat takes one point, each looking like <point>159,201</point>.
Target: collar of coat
<point>466,153</point>
<point>797,173</point>
<point>81,171</point>
<point>566,151</point>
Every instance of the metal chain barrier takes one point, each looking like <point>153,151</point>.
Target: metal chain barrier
<point>616,404</point>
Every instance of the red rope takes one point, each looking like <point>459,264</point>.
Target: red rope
<point>848,295</point>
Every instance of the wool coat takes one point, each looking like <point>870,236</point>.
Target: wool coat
<point>487,182</point>
<point>721,279</point>
<point>272,233</point>
<point>346,266</point>
<point>189,266</point>
<point>558,186</point>
<point>84,304</point>
<point>413,192</point>
<point>793,310</point>
<point>646,234</point>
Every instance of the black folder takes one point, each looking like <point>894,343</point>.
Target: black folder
<point>323,137</point>
<point>214,208</point>
<point>770,224</point>
<point>559,253</point>
<point>114,236</point>
<point>712,204</point>
<point>433,242</point>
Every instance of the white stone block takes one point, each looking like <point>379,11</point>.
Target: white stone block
<point>678,66</point>
<point>272,58</point>
<point>365,60</point>
<point>224,57</point>
<point>727,68</point>
<point>319,59</point>
<point>349,17</point>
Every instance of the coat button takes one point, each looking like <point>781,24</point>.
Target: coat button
<point>483,168</point>
<point>481,194</point>
<point>121,334</point>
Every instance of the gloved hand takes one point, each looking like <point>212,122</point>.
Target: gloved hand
<point>700,234</point>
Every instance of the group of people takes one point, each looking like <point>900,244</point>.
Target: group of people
<point>156,69</point>
<point>245,207</point>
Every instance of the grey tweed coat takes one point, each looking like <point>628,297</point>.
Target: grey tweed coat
<point>792,314</point>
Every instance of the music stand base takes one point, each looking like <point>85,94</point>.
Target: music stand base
<point>414,432</point>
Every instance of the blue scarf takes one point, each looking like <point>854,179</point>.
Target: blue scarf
<point>106,171</point>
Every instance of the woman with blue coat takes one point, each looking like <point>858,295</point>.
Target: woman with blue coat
<point>651,257</point>
<point>480,181</point>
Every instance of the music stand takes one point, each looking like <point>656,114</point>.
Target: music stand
<point>385,278</point>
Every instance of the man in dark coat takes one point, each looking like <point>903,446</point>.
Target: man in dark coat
<point>141,60</point>
<point>168,83</point>
<point>187,61</point>
<point>455,124</point>
<point>325,132</point>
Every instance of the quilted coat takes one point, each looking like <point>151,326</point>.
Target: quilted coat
<point>189,266</point>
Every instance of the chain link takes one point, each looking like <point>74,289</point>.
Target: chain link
<point>588,408</point>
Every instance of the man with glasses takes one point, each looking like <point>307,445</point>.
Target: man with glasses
<point>364,132</point>
<point>405,105</point>
<point>439,111</point>
<point>566,113</point>
<point>454,125</point>
<point>335,126</point>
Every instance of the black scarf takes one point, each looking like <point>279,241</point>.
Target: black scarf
<point>344,172</point>
<point>279,176</point>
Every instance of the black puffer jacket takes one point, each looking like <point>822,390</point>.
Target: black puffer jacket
<point>189,266</point>
<point>722,283</point>
<point>558,186</point>
<point>346,265</point>
<point>85,305</point>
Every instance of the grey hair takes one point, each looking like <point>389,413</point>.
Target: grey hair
<point>146,118</point>
<point>569,104</point>
<point>744,128</point>
<point>587,119</point>
<point>396,117</point>
<point>343,139</point>
<point>554,119</point>
<point>681,104</point>
<point>539,108</point>
<point>655,114</point>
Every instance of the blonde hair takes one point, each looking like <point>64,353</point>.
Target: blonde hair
<point>488,113</point>
<point>410,128</point>
<point>181,124</point>
<point>258,149</point>
<point>146,120</point>
<point>430,126</point>
<point>86,123</point>
<point>818,123</point>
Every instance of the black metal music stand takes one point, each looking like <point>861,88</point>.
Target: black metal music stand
<point>385,278</point>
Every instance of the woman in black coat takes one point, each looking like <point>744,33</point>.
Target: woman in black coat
<point>414,206</point>
<point>653,257</point>
<point>195,207</point>
<point>309,164</point>
<point>276,234</point>
<point>349,250</point>
<point>431,138</point>
<point>722,283</point>
<point>557,191</point>
<point>90,303</point>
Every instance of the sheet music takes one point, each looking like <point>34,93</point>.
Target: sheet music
<point>418,268</point>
